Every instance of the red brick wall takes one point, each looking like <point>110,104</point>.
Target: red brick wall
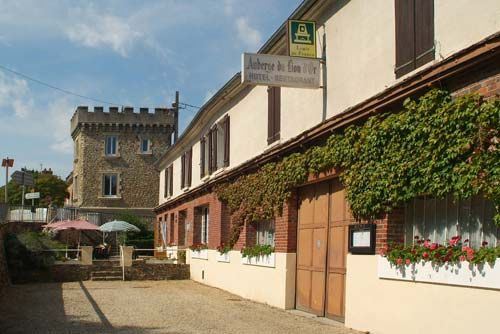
<point>193,222</point>
<point>219,230</point>
<point>484,81</point>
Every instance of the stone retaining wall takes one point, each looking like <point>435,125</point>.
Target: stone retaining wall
<point>139,271</point>
<point>5,228</point>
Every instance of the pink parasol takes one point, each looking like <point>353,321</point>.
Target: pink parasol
<point>75,225</point>
<point>80,225</point>
<point>55,224</point>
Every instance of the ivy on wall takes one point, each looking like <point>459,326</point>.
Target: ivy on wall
<point>435,145</point>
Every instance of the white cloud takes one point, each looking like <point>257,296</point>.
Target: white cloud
<point>15,95</point>
<point>22,119</point>
<point>228,7</point>
<point>100,31</point>
<point>248,35</point>
<point>59,114</point>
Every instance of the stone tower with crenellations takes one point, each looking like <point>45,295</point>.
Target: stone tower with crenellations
<point>114,155</point>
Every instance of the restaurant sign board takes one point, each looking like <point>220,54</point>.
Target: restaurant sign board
<point>281,71</point>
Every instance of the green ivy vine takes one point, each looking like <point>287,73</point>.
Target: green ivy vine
<point>435,145</point>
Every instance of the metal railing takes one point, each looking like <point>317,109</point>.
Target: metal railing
<point>27,214</point>
<point>65,253</point>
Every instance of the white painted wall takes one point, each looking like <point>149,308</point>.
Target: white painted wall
<point>360,46</point>
<point>384,306</point>
<point>462,23</point>
<point>273,286</point>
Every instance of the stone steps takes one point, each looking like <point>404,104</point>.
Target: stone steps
<point>107,273</point>
<point>108,278</point>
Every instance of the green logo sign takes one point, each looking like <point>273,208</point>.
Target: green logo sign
<point>302,38</point>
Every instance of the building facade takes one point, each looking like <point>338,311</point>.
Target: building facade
<point>114,155</point>
<point>374,58</point>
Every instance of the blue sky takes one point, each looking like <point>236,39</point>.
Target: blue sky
<point>135,53</point>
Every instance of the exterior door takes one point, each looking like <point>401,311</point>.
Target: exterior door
<point>340,218</point>
<point>321,249</point>
<point>312,249</point>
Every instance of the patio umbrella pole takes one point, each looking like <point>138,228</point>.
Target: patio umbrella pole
<point>67,240</point>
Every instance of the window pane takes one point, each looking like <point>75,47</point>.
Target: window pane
<point>441,219</point>
<point>106,185</point>
<point>204,224</point>
<point>113,185</point>
<point>265,233</point>
<point>145,145</point>
<point>110,145</point>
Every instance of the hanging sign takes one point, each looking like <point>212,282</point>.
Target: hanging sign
<point>301,38</point>
<point>32,195</point>
<point>282,71</point>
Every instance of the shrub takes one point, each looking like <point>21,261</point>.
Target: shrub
<point>31,250</point>
<point>257,250</point>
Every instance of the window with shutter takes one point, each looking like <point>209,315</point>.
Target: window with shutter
<point>183,170</point>
<point>414,34</point>
<point>202,157</point>
<point>226,141</point>
<point>273,114</point>
<point>171,180</point>
<point>213,149</point>
<point>189,167</point>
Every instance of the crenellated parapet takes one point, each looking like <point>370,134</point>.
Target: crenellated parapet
<point>126,117</point>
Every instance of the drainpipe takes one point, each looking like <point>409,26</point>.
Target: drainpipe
<point>176,117</point>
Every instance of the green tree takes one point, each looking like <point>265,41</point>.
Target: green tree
<point>51,187</point>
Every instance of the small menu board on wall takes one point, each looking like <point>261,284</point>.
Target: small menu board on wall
<point>362,238</point>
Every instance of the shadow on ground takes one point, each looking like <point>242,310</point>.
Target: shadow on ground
<point>40,309</point>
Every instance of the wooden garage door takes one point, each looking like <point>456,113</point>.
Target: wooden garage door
<point>321,250</point>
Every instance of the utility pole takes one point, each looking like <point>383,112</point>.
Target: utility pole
<point>176,117</point>
<point>7,163</point>
<point>24,188</point>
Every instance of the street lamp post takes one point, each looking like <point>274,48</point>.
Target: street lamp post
<point>7,163</point>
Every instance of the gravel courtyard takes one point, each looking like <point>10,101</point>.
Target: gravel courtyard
<point>143,307</point>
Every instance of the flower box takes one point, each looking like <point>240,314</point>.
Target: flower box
<point>262,260</point>
<point>223,257</point>
<point>465,274</point>
<point>200,254</point>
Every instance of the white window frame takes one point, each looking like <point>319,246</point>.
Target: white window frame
<point>117,184</point>
<point>167,179</point>
<point>265,232</point>
<point>141,144</point>
<point>111,146</point>
<point>205,224</point>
